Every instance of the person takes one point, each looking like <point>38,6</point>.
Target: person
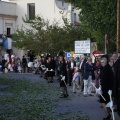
<point>49,71</point>
<point>24,63</point>
<point>106,79</point>
<point>6,55</point>
<point>63,72</point>
<point>36,65</point>
<point>88,76</point>
<point>111,62</point>
<point>119,54</point>
<point>97,71</point>
<point>116,88</point>
<point>76,80</point>
<point>42,67</point>
<point>3,64</point>
<point>77,61</point>
<point>81,67</point>
<point>70,69</point>
<point>18,65</point>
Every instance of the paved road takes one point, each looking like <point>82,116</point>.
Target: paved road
<point>77,103</point>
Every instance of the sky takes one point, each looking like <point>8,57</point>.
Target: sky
<point>4,0</point>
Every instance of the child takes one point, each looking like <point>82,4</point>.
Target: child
<point>76,80</point>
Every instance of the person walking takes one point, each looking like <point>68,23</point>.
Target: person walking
<point>81,67</point>
<point>76,80</point>
<point>88,76</point>
<point>63,73</point>
<point>116,88</point>
<point>106,79</point>
<point>70,70</point>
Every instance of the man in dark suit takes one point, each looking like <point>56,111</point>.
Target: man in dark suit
<point>116,88</point>
<point>81,67</point>
<point>24,63</point>
<point>88,76</point>
<point>70,69</point>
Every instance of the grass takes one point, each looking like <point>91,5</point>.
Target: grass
<point>23,100</point>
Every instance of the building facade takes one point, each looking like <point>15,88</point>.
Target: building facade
<point>13,12</point>
<point>8,18</point>
<point>51,10</point>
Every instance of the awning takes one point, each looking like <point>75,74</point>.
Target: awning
<point>98,52</point>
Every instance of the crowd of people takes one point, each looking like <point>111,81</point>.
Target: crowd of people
<point>81,73</point>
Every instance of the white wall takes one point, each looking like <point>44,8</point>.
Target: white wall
<point>7,17</point>
<point>7,8</point>
<point>49,9</point>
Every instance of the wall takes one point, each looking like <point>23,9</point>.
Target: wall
<point>7,17</point>
<point>49,9</point>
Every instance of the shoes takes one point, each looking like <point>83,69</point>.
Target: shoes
<point>64,96</point>
<point>81,90</point>
<point>107,117</point>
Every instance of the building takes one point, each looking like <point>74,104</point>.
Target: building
<point>8,18</point>
<point>48,9</point>
<point>13,12</point>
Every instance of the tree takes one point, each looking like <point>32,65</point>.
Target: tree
<point>98,17</point>
<point>46,38</point>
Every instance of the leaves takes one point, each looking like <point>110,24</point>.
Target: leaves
<point>45,37</point>
<point>99,17</point>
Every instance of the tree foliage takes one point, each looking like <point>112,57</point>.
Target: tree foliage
<point>44,37</point>
<point>99,17</point>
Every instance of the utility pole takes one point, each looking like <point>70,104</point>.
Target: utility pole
<point>118,26</point>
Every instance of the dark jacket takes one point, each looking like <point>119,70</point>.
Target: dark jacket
<point>24,61</point>
<point>69,65</point>
<point>82,67</point>
<point>49,65</point>
<point>107,78</point>
<point>116,88</point>
<point>89,70</point>
<point>63,70</point>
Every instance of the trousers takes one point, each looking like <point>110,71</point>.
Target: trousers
<point>88,85</point>
<point>76,85</point>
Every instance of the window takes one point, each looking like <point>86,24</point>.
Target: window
<point>74,17</point>
<point>63,1</point>
<point>8,31</point>
<point>31,11</point>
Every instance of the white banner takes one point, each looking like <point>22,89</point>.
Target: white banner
<point>82,46</point>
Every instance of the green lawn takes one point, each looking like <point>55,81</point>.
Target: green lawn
<point>24,100</point>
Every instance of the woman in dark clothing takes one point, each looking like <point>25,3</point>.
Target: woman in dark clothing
<point>63,72</point>
<point>50,72</point>
<point>106,77</point>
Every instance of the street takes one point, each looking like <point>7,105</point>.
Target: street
<point>76,104</point>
